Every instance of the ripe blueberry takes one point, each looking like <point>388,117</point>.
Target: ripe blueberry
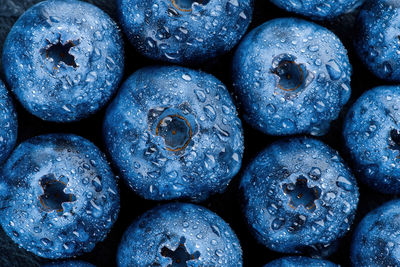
<point>58,196</point>
<point>179,235</point>
<point>184,31</point>
<point>63,59</point>
<point>299,196</point>
<point>174,133</point>
<point>372,136</point>
<point>8,122</point>
<point>292,76</point>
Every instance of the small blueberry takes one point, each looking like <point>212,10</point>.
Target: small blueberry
<point>58,196</point>
<point>300,261</point>
<point>8,122</point>
<point>292,76</point>
<point>378,38</point>
<point>372,136</point>
<point>179,235</point>
<point>376,239</point>
<point>319,9</point>
<point>184,31</point>
<point>299,196</point>
<point>63,59</point>
<point>174,133</point>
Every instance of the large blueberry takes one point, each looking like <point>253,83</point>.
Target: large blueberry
<point>376,239</point>
<point>63,59</point>
<point>299,196</point>
<point>319,9</point>
<point>69,264</point>
<point>300,262</point>
<point>184,31</point>
<point>179,235</point>
<point>372,135</point>
<point>378,38</point>
<point>292,77</point>
<point>174,133</point>
<point>8,124</point>
<point>58,196</point>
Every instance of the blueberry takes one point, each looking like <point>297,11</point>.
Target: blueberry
<point>174,133</point>
<point>184,31</point>
<point>372,136</point>
<point>300,262</point>
<point>63,59</point>
<point>292,77</point>
<point>182,235</point>
<point>319,9</point>
<point>376,239</point>
<point>69,264</point>
<point>58,196</point>
<point>378,38</point>
<point>299,196</point>
<point>8,122</point>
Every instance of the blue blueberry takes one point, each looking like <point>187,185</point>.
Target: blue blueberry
<point>299,196</point>
<point>376,239</point>
<point>300,262</point>
<point>372,136</point>
<point>174,133</point>
<point>69,264</point>
<point>63,59</point>
<point>58,196</point>
<point>8,122</point>
<point>378,38</point>
<point>184,31</point>
<point>292,77</point>
<point>319,9</point>
<point>179,234</point>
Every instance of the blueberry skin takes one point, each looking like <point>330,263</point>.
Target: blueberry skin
<point>376,239</point>
<point>292,77</point>
<point>377,38</point>
<point>63,59</point>
<point>69,264</point>
<point>58,196</point>
<point>372,136</point>
<point>300,262</point>
<point>192,234</point>
<point>184,31</point>
<point>174,133</point>
<point>319,9</point>
<point>299,196</point>
<point>8,122</point>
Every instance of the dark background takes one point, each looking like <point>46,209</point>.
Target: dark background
<point>226,205</point>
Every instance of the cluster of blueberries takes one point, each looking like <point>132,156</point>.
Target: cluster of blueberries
<point>174,133</point>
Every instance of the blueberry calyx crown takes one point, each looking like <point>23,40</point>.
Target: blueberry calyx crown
<point>176,131</point>
<point>186,5</point>
<point>176,126</point>
<point>301,194</point>
<point>180,256</point>
<point>53,193</point>
<point>291,75</point>
<point>60,52</point>
<point>394,141</point>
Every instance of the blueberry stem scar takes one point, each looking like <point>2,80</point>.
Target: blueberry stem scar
<point>180,129</point>
<point>61,53</point>
<point>54,195</point>
<point>185,5</point>
<point>301,194</point>
<point>290,75</point>
<point>180,255</point>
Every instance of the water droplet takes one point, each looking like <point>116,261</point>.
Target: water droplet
<point>333,69</point>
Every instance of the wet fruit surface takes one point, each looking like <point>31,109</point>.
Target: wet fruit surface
<point>179,235</point>
<point>225,205</point>
<point>58,196</point>
<point>299,196</point>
